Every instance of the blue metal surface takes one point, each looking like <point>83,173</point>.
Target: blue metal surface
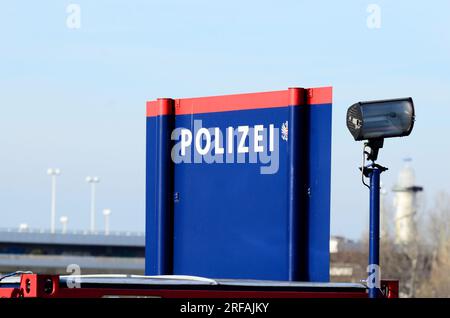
<point>231,221</point>
<point>159,202</point>
<point>319,181</point>
<point>374,235</point>
<point>298,189</point>
<point>232,210</point>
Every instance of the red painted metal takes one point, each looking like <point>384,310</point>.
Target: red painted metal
<point>9,293</point>
<point>292,96</point>
<point>320,95</point>
<point>390,288</point>
<point>48,286</point>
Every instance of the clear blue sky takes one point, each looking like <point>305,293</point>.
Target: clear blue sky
<point>75,98</point>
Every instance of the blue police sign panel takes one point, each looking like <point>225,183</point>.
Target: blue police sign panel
<point>238,186</point>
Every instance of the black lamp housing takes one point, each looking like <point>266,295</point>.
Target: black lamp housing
<point>381,119</point>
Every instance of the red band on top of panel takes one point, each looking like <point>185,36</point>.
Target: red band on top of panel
<point>296,96</point>
<point>162,106</point>
<point>291,97</point>
<point>319,95</point>
<point>231,102</point>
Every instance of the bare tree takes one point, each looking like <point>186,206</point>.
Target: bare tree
<point>408,262</point>
<point>421,265</point>
<point>438,284</point>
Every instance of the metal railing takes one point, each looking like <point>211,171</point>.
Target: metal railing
<point>71,232</point>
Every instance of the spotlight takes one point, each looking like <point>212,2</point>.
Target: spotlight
<point>376,120</point>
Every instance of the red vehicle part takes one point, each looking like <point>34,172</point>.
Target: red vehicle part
<point>54,286</point>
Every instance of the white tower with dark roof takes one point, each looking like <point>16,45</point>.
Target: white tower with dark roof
<point>406,205</point>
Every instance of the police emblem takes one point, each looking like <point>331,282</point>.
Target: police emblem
<point>284,131</point>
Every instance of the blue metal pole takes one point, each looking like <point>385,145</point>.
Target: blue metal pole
<point>374,235</point>
<point>164,192</point>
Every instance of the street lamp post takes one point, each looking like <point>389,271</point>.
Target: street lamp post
<point>53,173</point>
<point>374,121</point>
<point>106,214</point>
<point>92,181</point>
<point>64,220</point>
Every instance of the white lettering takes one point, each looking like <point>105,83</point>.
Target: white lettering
<point>230,137</point>
<point>244,134</point>
<point>196,145</point>
<point>258,138</point>
<point>271,133</point>
<point>217,147</point>
<point>198,141</point>
<point>186,140</point>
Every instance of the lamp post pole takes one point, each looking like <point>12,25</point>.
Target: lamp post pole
<point>374,121</point>
<point>373,172</point>
<point>53,173</point>
<point>92,181</point>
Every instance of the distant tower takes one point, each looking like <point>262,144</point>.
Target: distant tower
<point>406,204</point>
